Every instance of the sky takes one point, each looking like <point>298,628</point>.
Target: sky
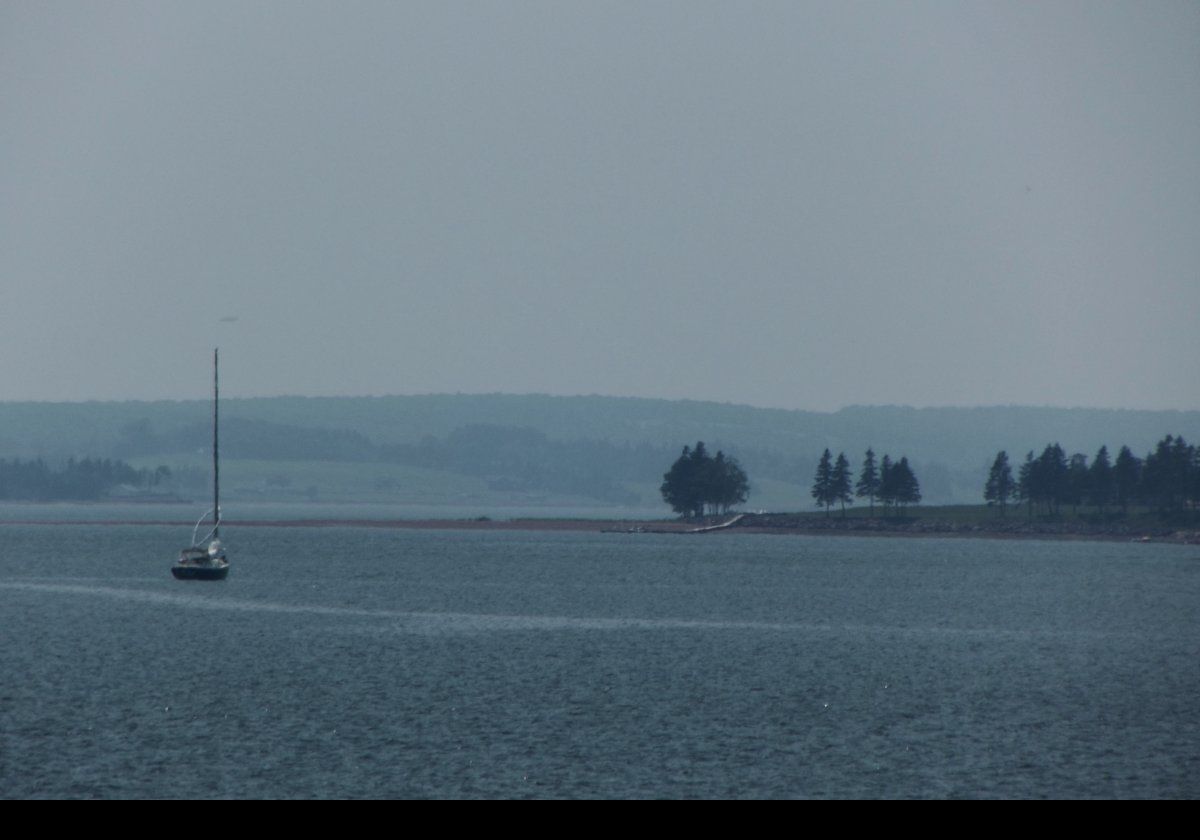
<point>786,204</point>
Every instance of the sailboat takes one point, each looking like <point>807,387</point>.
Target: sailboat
<point>199,561</point>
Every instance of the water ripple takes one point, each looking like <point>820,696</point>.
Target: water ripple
<point>419,621</point>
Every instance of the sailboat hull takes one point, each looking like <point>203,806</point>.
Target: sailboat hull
<point>200,572</point>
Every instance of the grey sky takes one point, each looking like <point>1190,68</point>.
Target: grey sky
<point>804,205</point>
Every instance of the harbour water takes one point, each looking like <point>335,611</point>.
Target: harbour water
<point>356,662</point>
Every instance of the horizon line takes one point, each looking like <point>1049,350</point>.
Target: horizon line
<point>539,394</point>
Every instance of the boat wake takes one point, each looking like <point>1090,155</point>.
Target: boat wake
<point>409,621</point>
<point>404,619</point>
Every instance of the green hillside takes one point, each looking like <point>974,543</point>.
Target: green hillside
<point>603,449</point>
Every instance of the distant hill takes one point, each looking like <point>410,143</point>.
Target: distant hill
<point>613,450</point>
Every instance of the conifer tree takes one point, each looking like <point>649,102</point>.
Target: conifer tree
<point>1165,479</point>
<point>908,490</point>
<point>822,489</point>
<point>1127,475</point>
<point>1075,482</point>
<point>1049,480</point>
<point>1100,481</point>
<point>868,480</point>
<point>678,488</point>
<point>697,481</point>
<point>840,482</point>
<point>1025,482</point>
<point>1000,487</point>
<point>729,485</point>
<point>887,483</point>
<point>1194,478</point>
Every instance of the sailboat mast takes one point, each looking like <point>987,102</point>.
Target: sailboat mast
<point>216,457</point>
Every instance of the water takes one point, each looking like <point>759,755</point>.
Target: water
<point>354,662</point>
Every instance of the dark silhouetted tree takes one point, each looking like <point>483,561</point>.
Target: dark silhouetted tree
<point>679,488</point>
<point>1075,482</point>
<point>1047,478</point>
<point>728,485</point>
<point>1100,481</point>
<point>696,482</point>
<point>822,489</point>
<point>1025,482</point>
<point>1000,487</point>
<point>898,486</point>
<point>868,481</point>
<point>840,482</point>
<point>1193,486</point>
<point>1127,478</point>
<point>887,483</point>
<point>1165,474</point>
<point>908,490</point>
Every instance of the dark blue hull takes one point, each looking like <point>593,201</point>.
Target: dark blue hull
<point>199,572</point>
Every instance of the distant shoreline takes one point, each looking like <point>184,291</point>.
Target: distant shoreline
<point>778,524</point>
<point>1014,527</point>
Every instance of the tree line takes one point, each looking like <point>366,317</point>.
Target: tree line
<point>894,485</point>
<point>1167,479</point>
<point>85,480</point>
<point>698,483</point>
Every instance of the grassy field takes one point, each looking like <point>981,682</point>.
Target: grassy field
<point>348,482</point>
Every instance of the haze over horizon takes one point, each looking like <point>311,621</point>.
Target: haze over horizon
<point>785,205</point>
<point>204,396</point>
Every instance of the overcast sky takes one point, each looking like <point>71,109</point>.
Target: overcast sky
<point>801,205</point>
